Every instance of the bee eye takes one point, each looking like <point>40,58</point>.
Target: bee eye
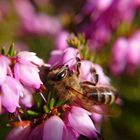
<point>61,75</point>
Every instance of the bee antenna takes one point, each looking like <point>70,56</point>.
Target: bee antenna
<point>68,61</point>
<point>57,63</point>
<point>54,65</point>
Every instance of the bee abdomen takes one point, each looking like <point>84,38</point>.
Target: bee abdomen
<point>102,97</point>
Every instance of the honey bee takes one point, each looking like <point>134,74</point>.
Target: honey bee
<point>67,85</point>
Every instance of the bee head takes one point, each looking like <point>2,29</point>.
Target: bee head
<point>59,73</point>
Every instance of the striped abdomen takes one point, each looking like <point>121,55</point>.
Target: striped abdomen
<point>102,95</point>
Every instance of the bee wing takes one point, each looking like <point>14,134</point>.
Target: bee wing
<point>107,94</point>
<point>90,87</point>
<point>105,109</point>
<point>83,101</point>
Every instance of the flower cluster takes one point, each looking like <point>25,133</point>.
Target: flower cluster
<point>33,22</point>
<point>105,17</point>
<point>66,120</point>
<point>125,54</point>
<point>68,56</point>
<point>19,78</point>
<point>54,128</point>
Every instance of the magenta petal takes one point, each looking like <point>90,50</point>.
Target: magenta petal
<point>80,121</point>
<point>61,40</point>
<point>53,129</point>
<point>19,133</point>
<point>69,135</point>
<point>27,99</point>
<point>103,79</point>
<point>133,54</point>
<point>69,56</point>
<point>37,133</point>
<point>119,53</point>
<point>85,74</point>
<point>56,57</point>
<point>4,62</point>
<point>30,57</point>
<point>10,94</point>
<point>28,75</point>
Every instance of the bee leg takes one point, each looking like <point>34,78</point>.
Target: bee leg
<point>95,75</point>
<point>87,83</point>
<point>78,66</point>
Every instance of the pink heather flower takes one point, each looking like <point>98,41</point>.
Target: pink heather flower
<point>4,66</point>
<point>94,6</point>
<point>36,133</point>
<point>103,4</point>
<point>55,57</point>
<point>103,79</point>
<point>105,17</point>
<point>119,52</point>
<point>125,54</point>
<point>97,118</point>
<point>27,98</point>
<point>26,69</point>
<point>19,133</point>
<point>61,40</point>
<point>87,75</point>
<point>78,119</point>
<point>133,54</point>
<point>10,92</point>
<point>33,22</point>
<point>85,71</point>
<point>51,129</point>
<point>55,124</point>
<point>28,75</point>
<point>25,56</point>
<point>67,57</point>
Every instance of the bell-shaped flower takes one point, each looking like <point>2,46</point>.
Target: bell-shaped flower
<point>10,92</point>
<point>27,98</point>
<point>79,120</point>
<point>86,73</point>
<point>28,74</point>
<point>61,40</point>
<point>19,133</point>
<point>55,124</point>
<point>51,129</point>
<point>103,79</point>
<point>25,56</point>
<point>119,53</point>
<point>55,57</point>
<point>33,22</point>
<point>68,57</point>
<point>4,66</point>
<point>26,70</point>
<point>133,54</point>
